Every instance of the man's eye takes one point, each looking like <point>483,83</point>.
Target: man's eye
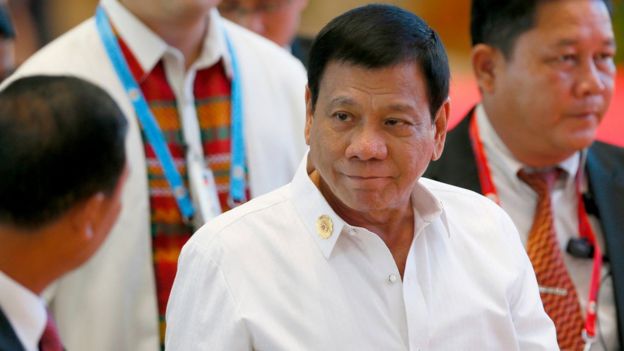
<point>341,116</point>
<point>568,58</point>
<point>394,122</point>
<point>604,57</point>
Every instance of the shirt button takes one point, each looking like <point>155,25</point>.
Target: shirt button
<point>392,278</point>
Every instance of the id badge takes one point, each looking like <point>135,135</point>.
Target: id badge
<point>203,192</point>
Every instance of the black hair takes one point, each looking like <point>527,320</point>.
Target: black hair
<point>379,36</point>
<point>62,140</point>
<point>499,23</point>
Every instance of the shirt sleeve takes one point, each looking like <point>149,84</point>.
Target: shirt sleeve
<point>202,313</point>
<point>534,329</point>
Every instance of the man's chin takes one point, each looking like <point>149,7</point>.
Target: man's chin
<point>580,140</point>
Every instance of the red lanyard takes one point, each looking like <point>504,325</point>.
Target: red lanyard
<point>585,229</point>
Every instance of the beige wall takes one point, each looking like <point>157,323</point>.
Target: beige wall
<point>319,12</point>
<point>66,14</point>
<point>450,21</point>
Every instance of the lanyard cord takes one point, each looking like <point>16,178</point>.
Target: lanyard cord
<point>152,129</point>
<point>585,229</point>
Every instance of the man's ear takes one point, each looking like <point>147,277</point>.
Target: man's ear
<point>309,113</point>
<point>86,215</point>
<point>484,59</point>
<point>440,123</point>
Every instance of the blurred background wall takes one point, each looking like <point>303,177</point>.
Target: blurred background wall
<point>39,21</point>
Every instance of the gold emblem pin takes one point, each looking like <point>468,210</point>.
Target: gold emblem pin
<point>324,226</point>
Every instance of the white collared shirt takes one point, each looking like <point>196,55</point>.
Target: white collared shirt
<point>519,200</point>
<point>24,310</point>
<point>110,302</point>
<point>261,277</point>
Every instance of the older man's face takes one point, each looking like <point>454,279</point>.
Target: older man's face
<point>371,135</point>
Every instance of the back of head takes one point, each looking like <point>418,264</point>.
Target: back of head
<point>379,36</point>
<point>499,23</point>
<point>62,140</point>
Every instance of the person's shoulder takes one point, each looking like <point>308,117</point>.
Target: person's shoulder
<point>74,42</point>
<point>68,54</point>
<point>455,195</point>
<point>478,223</point>
<point>262,49</point>
<point>462,206</point>
<point>239,223</point>
<point>601,148</point>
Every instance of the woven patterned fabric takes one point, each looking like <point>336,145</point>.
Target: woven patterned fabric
<point>556,287</point>
<point>211,90</point>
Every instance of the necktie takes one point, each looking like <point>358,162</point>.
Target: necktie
<point>50,340</point>
<point>556,288</point>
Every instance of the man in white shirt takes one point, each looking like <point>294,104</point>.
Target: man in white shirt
<point>358,252</point>
<point>205,81</point>
<point>52,221</point>
<point>546,73</point>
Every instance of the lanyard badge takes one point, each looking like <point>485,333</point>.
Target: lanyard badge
<point>203,188</point>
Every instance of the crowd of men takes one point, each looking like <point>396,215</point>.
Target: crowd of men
<point>171,179</point>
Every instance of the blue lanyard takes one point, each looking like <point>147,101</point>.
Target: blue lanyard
<point>152,129</point>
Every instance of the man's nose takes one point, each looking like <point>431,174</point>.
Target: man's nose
<point>367,143</point>
<point>592,80</point>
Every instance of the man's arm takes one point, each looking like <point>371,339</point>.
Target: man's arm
<point>202,313</point>
<point>534,329</point>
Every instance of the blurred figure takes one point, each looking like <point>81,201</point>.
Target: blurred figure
<point>63,166</point>
<point>546,74</point>
<point>216,113</point>
<point>276,20</point>
<point>28,27</point>
<point>7,42</point>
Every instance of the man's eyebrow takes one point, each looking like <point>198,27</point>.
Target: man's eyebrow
<point>400,107</point>
<point>571,42</point>
<point>342,101</point>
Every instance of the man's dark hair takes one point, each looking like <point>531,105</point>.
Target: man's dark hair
<point>500,23</point>
<point>379,36</point>
<point>62,140</point>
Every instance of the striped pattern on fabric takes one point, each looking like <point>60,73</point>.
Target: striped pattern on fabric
<point>556,288</point>
<point>212,102</point>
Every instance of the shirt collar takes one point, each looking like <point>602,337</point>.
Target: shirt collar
<point>24,310</point>
<point>427,208</point>
<point>148,48</point>
<point>497,148</point>
<point>310,204</point>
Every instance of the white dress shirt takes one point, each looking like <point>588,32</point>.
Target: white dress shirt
<point>110,302</point>
<point>261,277</point>
<point>519,200</point>
<point>24,310</point>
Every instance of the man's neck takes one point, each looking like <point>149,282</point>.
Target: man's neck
<point>524,149</point>
<point>22,260</point>
<point>185,34</point>
<point>394,226</point>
